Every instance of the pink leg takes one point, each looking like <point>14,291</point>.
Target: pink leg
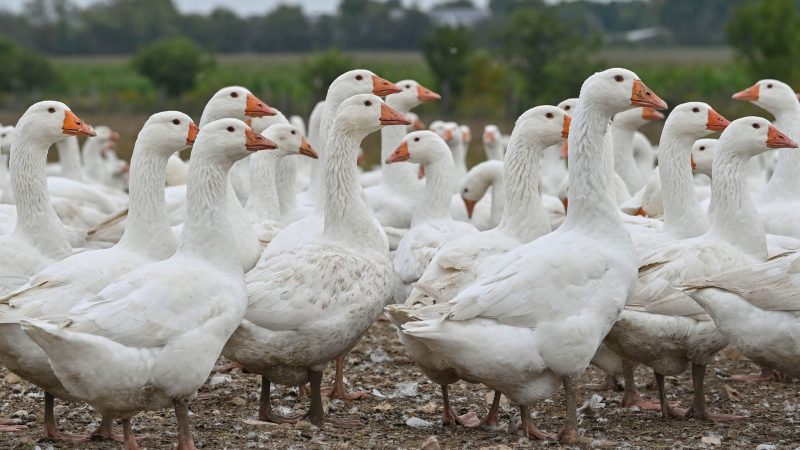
<point>316,415</point>
<point>265,413</point>
<point>185,441</point>
<point>569,434</point>
<point>765,375</point>
<point>631,396</point>
<point>50,428</point>
<point>490,421</point>
<point>338,390</point>
<point>667,411</point>
<point>530,430</point>
<point>449,416</point>
<point>8,426</point>
<point>128,438</point>
<point>698,409</point>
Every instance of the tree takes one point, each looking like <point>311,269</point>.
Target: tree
<point>764,33</point>
<point>323,68</point>
<point>172,65</point>
<point>23,68</point>
<point>447,52</point>
<point>286,28</point>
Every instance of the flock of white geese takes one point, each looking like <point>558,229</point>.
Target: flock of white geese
<point>567,247</point>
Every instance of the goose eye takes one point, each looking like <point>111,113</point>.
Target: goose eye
<point>619,78</point>
<point>416,139</point>
<point>466,190</point>
<point>359,77</point>
<point>408,86</point>
<point>702,148</point>
<point>367,102</point>
<point>696,109</point>
<point>234,94</point>
<point>756,126</point>
<point>231,129</point>
<point>769,86</point>
<point>51,110</point>
<point>567,108</point>
<point>176,122</point>
<point>294,131</point>
<point>549,115</point>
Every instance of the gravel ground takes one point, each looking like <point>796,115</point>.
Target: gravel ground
<point>404,412</point>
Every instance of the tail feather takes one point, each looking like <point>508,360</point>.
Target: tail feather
<point>107,222</point>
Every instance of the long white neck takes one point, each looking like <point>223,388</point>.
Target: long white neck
<point>329,108</point>
<point>148,229</point>
<point>498,200</point>
<point>683,216</point>
<point>434,203</point>
<point>785,182</point>
<point>4,170</point>
<point>286,183</point>
<point>524,216</point>
<point>735,218</point>
<point>624,162</point>
<point>37,221</point>
<point>69,157</point>
<point>263,202</point>
<point>494,150</point>
<point>93,160</point>
<point>207,231</point>
<point>591,208</point>
<point>398,176</point>
<point>459,163</point>
<point>347,217</point>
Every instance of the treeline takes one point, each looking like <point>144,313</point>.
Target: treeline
<point>60,27</point>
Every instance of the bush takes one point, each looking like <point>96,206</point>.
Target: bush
<point>447,52</point>
<point>173,64</point>
<point>321,69</point>
<point>23,69</point>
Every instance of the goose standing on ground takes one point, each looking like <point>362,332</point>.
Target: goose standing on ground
<point>663,328</point>
<point>431,224</point>
<point>39,238</point>
<point>55,290</point>
<point>457,262</point>
<point>151,337</point>
<point>535,319</point>
<point>337,285</point>
<point>394,198</point>
<point>779,203</point>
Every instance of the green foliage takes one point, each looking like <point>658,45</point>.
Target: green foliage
<point>172,64</point>
<point>447,52</point>
<point>486,86</point>
<point>764,32</point>
<point>320,70</point>
<point>23,69</point>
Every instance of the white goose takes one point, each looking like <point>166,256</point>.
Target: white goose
<point>150,338</point>
<point>38,239</point>
<point>624,128</point>
<point>536,318</point>
<point>665,329</point>
<point>62,285</point>
<point>457,262</point>
<point>313,302</point>
<point>554,160</point>
<point>493,143</point>
<point>479,179</point>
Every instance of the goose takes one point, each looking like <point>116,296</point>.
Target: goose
<point>149,339</point>
<point>554,160</point>
<point>69,158</point>
<point>263,204</point>
<point>778,203</point>
<point>177,171</point>
<point>62,285</point>
<point>38,239</point>
<point>623,128</point>
<point>416,123</point>
<point>664,329</point>
<point>756,309</point>
<point>296,321</point>
<point>394,198</point>
<point>240,173</point>
<point>454,137</point>
<point>536,317</point>
<point>644,153</point>
<point>479,179</point>
<point>456,262</point>
<point>493,143</point>
<point>431,224</point>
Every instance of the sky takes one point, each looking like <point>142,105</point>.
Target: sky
<point>247,7</point>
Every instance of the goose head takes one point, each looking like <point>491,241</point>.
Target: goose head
<point>466,134</point>
<point>367,113</point>
<point>6,133</point>
<point>751,136</point>
<point>772,95</point>
<point>568,105</point>
<point>229,140</point>
<point>50,121</point>
<point>616,90</point>
<point>236,102</point>
<point>421,147</point>
<point>437,126</point>
<point>361,81</point>
<point>290,141</point>
<point>173,131</point>
<point>695,120</point>
<point>635,118</point>
<point>451,133</point>
<point>416,122</point>
<point>491,134</point>
<point>412,95</point>
<point>703,151</point>
<point>543,125</point>
<point>478,180</point>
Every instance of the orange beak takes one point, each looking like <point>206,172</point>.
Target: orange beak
<point>470,204</point>
<point>716,122</point>
<point>641,95</point>
<point>419,125</point>
<point>421,173</point>
<point>305,149</point>
<point>257,108</point>
<point>381,87</point>
<point>448,135</point>
<point>776,139</point>
<point>564,150</point>
<point>748,95</point>
<point>74,126</point>
<point>488,137</point>
<point>641,212</point>
<point>651,114</point>
<point>255,141</point>
<point>192,134</point>
<point>114,136</point>
<point>565,129</point>
<point>426,95</point>
<point>391,117</point>
<point>565,202</point>
<point>399,154</point>
<point>694,164</point>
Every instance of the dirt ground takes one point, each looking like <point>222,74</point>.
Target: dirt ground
<point>404,411</point>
